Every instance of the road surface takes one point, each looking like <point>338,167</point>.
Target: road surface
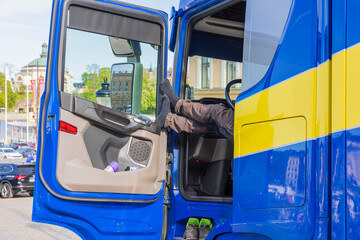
<point>16,224</point>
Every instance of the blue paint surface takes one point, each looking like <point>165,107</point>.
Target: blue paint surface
<point>352,23</point>
<point>338,26</point>
<point>322,170</point>
<point>352,183</point>
<point>277,178</point>
<point>281,185</point>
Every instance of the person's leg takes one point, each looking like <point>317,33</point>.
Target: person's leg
<point>205,113</point>
<point>222,116</point>
<point>164,110</point>
<point>176,122</point>
<point>183,124</point>
<point>166,89</point>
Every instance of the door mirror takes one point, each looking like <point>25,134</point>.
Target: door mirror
<point>126,87</point>
<point>124,48</point>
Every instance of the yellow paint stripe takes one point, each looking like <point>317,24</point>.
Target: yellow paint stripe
<point>338,85</point>
<point>284,100</point>
<point>322,104</point>
<point>352,95</point>
<point>296,97</point>
<point>329,92</point>
<point>265,135</point>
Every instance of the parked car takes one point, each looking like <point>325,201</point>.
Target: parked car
<point>26,151</point>
<point>16,145</point>
<point>9,153</point>
<point>32,144</point>
<point>4,145</point>
<point>16,178</point>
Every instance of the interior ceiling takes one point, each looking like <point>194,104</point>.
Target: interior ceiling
<point>227,22</point>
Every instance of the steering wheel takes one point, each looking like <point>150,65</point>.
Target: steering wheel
<point>227,93</point>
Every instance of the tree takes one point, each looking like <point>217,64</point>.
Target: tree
<point>92,81</point>
<point>148,98</point>
<point>93,78</point>
<point>12,96</point>
<point>92,68</point>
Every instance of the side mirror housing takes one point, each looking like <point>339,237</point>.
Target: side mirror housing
<point>126,87</point>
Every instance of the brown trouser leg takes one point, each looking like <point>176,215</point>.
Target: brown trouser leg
<point>204,113</point>
<point>183,124</point>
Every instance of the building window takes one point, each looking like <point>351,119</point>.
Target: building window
<point>205,72</point>
<point>230,71</point>
<point>120,85</point>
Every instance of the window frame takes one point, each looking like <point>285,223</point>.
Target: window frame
<point>233,68</point>
<point>125,12</point>
<point>205,72</point>
<point>183,75</point>
<point>188,33</point>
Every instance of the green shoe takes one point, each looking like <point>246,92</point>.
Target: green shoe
<point>204,228</point>
<point>192,228</point>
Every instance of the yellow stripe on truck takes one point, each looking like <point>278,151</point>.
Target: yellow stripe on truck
<point>306,95</point>
<point>285,113</point>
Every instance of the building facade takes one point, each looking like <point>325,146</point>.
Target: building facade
<point>209,76</point>
<point>32,76</point>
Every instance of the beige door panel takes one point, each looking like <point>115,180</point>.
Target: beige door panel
<point>75,171</point>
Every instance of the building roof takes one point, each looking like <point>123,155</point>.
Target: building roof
<point>25,73</point>
<point>79,85</point>
<point>42,60</point>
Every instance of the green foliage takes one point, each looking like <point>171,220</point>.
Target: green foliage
<point>93,82</point>
<point>148,98</point>
<point>12,96</point>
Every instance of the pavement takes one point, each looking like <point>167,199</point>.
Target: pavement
<point>16,224</point>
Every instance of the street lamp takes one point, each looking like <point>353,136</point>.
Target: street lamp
<point>103,94</point>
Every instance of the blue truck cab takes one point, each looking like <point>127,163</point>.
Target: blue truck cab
<point>287,68</point>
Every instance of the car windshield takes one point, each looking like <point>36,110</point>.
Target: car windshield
<point>26,170</point>
<point>24,149</point>
<point>9,150</point>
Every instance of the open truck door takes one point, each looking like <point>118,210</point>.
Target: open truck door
<point>111,50</point>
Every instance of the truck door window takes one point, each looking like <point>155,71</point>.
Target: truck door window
<point>234,43</point>
<point>90,61</point>
<point>263,31</point>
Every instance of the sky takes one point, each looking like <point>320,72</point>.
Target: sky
<point>25,24</point>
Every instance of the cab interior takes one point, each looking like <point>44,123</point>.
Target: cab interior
<point>215,38</point>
